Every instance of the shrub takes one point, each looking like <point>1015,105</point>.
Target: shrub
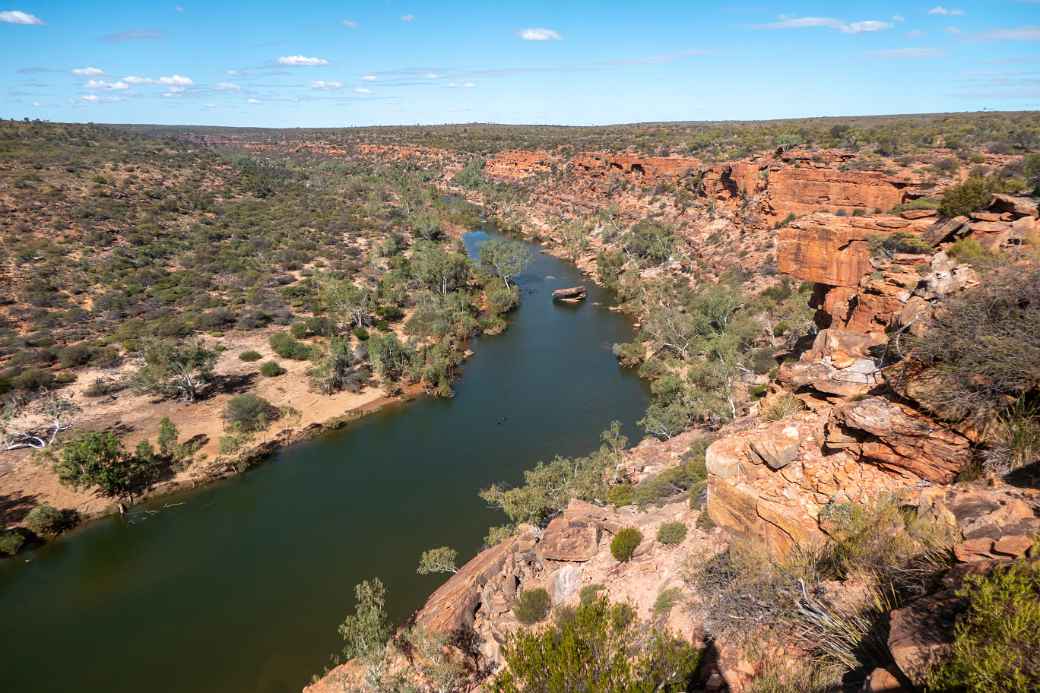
<point>367,629</point>
<point>887,245</point>
<point>625,543</point>
<point>590,593</point>
<point>980,354</point>
<point>597,647</point>
<point>970,251</point>
<point>620,495</point>
<point>283,344</point>
<point>250,413</point>
<point>11,541</point>
<point>651,242</point>
<point>250,356</point>
<point>531,606</point>
<point>671,533</point>
<point>361,333</point>
<point>46,520</point>
<point>98,459</point>
<point>666,599</point>
<point>996,645</point>
<point>781,406</point>
<point>973,194</point>
<point>271,369</point>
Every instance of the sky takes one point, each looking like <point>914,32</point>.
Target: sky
<point>313,63</point>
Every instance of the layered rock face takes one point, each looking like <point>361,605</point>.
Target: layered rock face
<point>857,440</point>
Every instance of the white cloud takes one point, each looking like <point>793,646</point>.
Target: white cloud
<point>945,11</point>
<point>252,100</point>
<point>952,30</point>
<point>408,18</point>
<point>301,60</point>
<point>227,86</point>
<point>369,78</point>
<point>134,79</point>
<point>88,71</point>
<point>908,53</point>
<point>898,18</point>
<point>1024,33</point>
<point>432,75</point>
<point>350,24</point>
<point>92,98</point>
<point>19,17</point>
<point>37,104</point>
<point>231,73</point>
<point>860,27</point>
<point>102,84</point>
<point>469,85</point>
<point>539,34</point>
<point>362,90</point>
<point>176,81</point>
<point>915,33</point>
<point>178,8</point>
<point>326,85</point>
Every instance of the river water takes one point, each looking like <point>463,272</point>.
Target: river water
<point>239,587</point>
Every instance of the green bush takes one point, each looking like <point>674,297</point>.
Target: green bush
<point>996,645</point>
<point>11,541</point>
<point>283,344</point>
<point>250,356</point>
<point>671,533</point>
<point>882,245</point>
<point>531,606</point>
<point>97,458</point>
<point>250,413</point>
<point>620,495</point>
<point>597,647</point>
<point>625,543</point>
<point>271,369</point>
<point>46,520</point>
<point>972,195</point>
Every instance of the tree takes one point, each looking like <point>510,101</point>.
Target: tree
<point>388,356</point>
<point>170,369</point>
<point>574,235</point>
<point>650,242</point>
<point>439,560</point>
<point>250,413</point>
<point>970,196</point>
<point>437,269</point>
<point>168,438</point>
<point>505,257</point>
<point>331,368</point>
<point>345,302</point>
<point>98,459</point>
<point>366,630</point>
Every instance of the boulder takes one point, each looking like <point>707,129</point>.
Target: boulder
<point>1018,206</point>
<point>885,680</point>
<point>898,438</point>
<point>920,635</point>
<point>564,584</point>
<point>567,539</point>
<point>945,230</point>
<point>919,213</point>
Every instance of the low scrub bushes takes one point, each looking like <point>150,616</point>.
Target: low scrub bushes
<point>671,533</point>
<point>48,521</point>
<point>531,606</point>
<point>250,413</point>
<point>625,543</point>
<point>271,369</point>
<point>996,645</point>
<point>250,356</point>
<point>283,344</point>
<point>597,647</point>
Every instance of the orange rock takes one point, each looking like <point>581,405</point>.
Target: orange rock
<point>1014,545</point>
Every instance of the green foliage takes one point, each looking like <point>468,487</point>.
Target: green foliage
<point>549,486</point>
<point>671,533</point>
<point>496,535</point>
<point>996,645</point>
<point>439,560</point>
<point>283,344</point>
<point>250,413</point>
<point>174,368</point>
<point>887,245</point>
<point>505,258</point>
<point>471,176</point>
<point>271,369</point>
<point>972,195</point>
<point>650,242</point>
<point>48,521</point>
<point>11,542</point>
<point>250,355</point>
<point>599,648</point>
<point>621,495</point>
<point>625,543</point>
<point>666,599</point>
<point>168,435</point>
<point>438,270</point>
<point>331,369</point>
<point>388,356</point>
<point>366,630</point>
<point>970,251</point>
<point>689,476</point>
<point>98,459</point>
<point>609,265</point>
<point>531,606</point>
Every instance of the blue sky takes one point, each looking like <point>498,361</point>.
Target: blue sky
<point>310,63</point>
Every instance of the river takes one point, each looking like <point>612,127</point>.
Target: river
<point>239,587</point>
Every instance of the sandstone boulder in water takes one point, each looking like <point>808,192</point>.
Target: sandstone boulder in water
<point>574,294</point>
